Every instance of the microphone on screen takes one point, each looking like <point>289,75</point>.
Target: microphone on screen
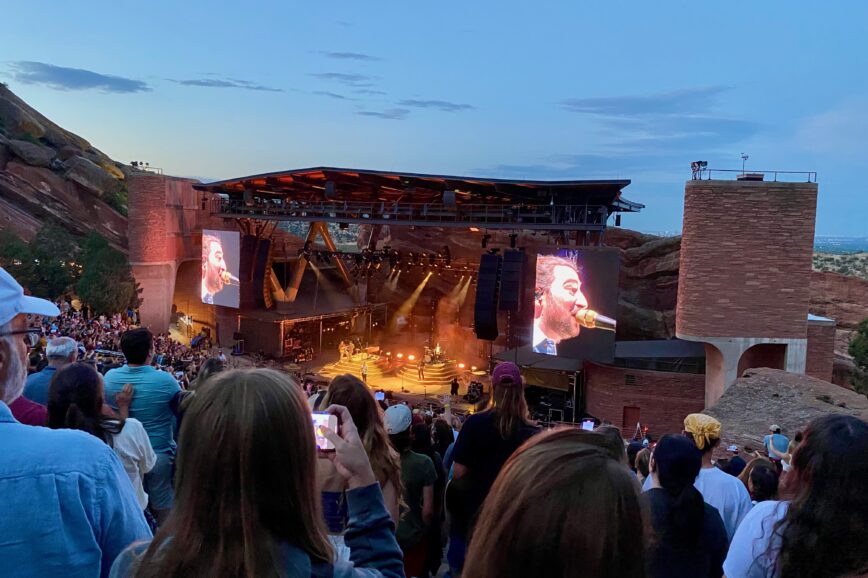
<point>229,278</point>
<point>592,320</point>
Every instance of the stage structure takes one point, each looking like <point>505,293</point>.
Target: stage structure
<point>354,291</point>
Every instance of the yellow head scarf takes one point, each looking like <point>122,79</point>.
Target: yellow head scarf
<point>704,428</point>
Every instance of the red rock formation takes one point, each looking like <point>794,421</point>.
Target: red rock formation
<point>47,172</point>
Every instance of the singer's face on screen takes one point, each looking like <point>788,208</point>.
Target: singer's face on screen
<point>561,303</point>
<point>214,268</point>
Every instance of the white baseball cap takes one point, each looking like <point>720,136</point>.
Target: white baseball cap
<point>13,301</point>
<point>398,419</point>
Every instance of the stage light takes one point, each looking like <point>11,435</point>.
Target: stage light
<point>400,356</point>
<point>388,354</point>
<point>472,368</point>
<point>411,357</point>
<point>460,366</point>
<point>474,229</point>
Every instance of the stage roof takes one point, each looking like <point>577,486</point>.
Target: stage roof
<point>340,184</point>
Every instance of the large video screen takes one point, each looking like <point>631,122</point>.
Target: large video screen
<point>220,264</point>
<point>575,301</point>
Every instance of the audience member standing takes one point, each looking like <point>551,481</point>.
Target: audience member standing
<point>66,505</point>
<point>60,351</point>
<point>418,476</point>
<point>486,441</point>
<point>238,513</point>
<point>822,528</point>
<point>721,490</point>
<point>151,405</point>
<point>75,401</point>
<point>348,391</point>
<point>775,443</point>
<point>560,509</point>
<point>689,538</point>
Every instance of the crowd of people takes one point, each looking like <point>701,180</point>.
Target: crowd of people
<point>135,475</point>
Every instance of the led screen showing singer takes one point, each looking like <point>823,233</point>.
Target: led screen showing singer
<point>220,262</point>
<point>562,308</point>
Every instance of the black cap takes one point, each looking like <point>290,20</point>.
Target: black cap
<point>678,462</point>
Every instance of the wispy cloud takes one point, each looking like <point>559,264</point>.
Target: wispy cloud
<point>441,105</point>
<point>63,78</point>
<point>370,92</point>
<point>685,101</point>
<point>333,95</point>
<point>651,137</point>
<point>350,56</point>
<point>389,114</point>
<point>226,83</point>
<point>350,79</point>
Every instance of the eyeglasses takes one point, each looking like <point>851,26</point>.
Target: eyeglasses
<point>31,336</point>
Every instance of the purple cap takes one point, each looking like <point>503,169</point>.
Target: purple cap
<point>508,371</point>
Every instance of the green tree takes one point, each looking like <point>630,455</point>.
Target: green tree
<point>859,350</point>
<point>107,284</point>
<point>47,265</point>
<point>55,253</point>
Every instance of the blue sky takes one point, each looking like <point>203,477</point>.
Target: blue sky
<point>565,89</point>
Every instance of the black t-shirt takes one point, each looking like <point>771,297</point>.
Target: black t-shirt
<point>483,451</point>
<point>669,557</point>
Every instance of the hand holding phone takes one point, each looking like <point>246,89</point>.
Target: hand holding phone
<point>349,455</point>
<point>379,395</point>
<point>324,419</point>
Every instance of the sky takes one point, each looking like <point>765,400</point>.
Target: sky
<point>548,89</point>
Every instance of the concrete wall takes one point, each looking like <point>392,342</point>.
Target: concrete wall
<point>663,398</point>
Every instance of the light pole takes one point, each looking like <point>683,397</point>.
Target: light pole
<point>744,158</point>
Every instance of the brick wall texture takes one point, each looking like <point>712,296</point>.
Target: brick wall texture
<point>746,251</point>
<point>663,398</point>
<point>821,351</point>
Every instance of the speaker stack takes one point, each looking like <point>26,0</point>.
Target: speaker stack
<point>487,286</point>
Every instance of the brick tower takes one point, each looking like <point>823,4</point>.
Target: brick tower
<point>744,278</point>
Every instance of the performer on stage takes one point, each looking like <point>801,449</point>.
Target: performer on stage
<point>342,349</point>
<point>213,268</point>
<point>558,298</point>
<point>453,388</point>
<point>420,369</point>
<point>351,349</point>
<point>365,372</point>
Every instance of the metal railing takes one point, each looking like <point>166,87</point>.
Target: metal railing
<point>782,176</point>
<point>489,216</point>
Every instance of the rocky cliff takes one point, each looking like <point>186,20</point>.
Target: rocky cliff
<point>47,172</point>
<point>767,396</point>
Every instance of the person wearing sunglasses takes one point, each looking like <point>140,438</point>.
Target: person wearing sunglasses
<point>68,506</point>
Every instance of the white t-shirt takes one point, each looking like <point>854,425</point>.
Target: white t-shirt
<point>755,547</point>
<point>134,449</point>
<point>724,492</point>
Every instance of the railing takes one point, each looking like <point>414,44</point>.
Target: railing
<point>566,217</point>
<point>785,176</point>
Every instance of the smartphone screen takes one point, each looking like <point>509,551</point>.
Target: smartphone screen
<point>379,395</point>
<point>328,420</point>
<point>588,425</point>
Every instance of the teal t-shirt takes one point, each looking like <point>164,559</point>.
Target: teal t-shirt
<point>417,471</point>
<point>151,405</point>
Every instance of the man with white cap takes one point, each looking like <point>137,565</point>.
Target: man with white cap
<point>68,506</point>
<point>418,476</point>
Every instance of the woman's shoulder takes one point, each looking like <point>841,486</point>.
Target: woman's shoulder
<point>122,565</point>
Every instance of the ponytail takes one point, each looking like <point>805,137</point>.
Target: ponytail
<point>75,418</point>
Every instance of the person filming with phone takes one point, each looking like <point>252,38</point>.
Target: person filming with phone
<point>237,514</point>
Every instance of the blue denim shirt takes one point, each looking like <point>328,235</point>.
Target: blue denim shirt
<point>36,388</point>
<point>67,507</point>
<point>370,536</point>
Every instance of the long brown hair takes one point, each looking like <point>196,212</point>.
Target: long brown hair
<point>560,508</point>
<point>245,482</point>
<point>823,532</point>
<point>509,408</point>
<point>351,392</point>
